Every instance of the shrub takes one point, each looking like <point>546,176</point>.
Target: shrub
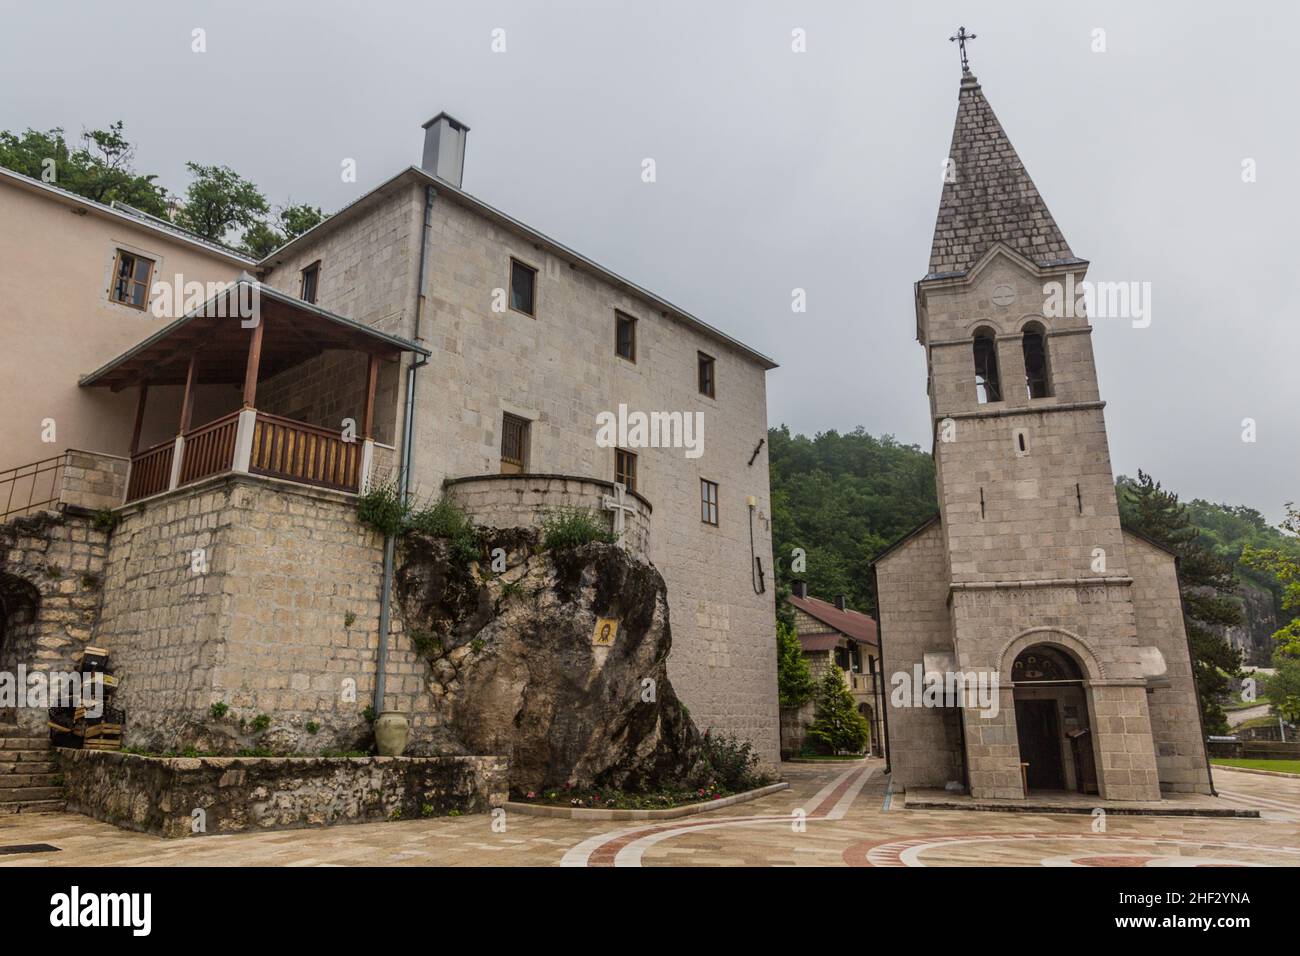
<point>572,527</point>
<point>733,762</point>
<point>312,727</point>
<point>219,710</point>
<point>103,520</point>
<point>260,723</point>
<point>425,642</point>
<point>383,508</point>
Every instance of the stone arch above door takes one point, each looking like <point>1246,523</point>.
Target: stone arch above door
<point>1068,641</point>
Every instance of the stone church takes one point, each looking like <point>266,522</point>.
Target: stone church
<point>1025,586</point>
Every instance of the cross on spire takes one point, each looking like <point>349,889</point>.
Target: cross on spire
<point>960,38</point>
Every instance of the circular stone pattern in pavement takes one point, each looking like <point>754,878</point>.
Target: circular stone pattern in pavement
<point>1064,849</point>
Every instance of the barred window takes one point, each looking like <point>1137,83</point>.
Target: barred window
<point>514,444</point>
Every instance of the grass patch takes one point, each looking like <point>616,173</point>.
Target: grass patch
<point>444,520</point>
<point>1281,766</point>
<point>603,798</point>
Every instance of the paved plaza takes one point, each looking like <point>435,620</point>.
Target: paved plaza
<point>832,815</point>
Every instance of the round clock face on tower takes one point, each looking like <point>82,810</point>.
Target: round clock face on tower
<point>1003,296</point>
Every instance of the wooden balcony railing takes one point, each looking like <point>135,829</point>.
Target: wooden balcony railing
<point>209,449</point>
<point>283,448</point>
<point>151,471</point>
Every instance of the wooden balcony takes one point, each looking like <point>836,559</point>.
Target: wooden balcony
<point>279,448</point>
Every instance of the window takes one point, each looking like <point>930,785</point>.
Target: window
<point>625,468</point>
<point>131,274</point>
<point>1034,343</point>
<point>625,336</point>
<point>709,502</point>
<point>707,381</point>
<point>988,386</point>
<point>523,280</point>
<point>310,276</point>
<point>514,444</point>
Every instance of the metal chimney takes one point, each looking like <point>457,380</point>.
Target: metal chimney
<point>444,148</point>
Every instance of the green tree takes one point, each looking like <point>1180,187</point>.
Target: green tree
<point>837,726</point>
<point>100,169</point>
<point>263,238</point>
<point>218,201</point>
<point>1206,582</point>
<point>837,501</point>
<point>1283,565</point>
<point>793,678</point>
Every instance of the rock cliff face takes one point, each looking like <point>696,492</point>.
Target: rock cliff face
<point>1254,635</point>
<point>517,666</point>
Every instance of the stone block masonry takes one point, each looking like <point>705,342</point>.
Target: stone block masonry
<point>257,594</point>
<point>180,797</point>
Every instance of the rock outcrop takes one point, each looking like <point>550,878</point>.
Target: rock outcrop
<point>517,667</point>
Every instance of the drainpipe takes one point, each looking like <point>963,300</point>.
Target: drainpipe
<point>404,475</point>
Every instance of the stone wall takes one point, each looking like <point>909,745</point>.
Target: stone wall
<point>523,501</point>
<point>1175,716</point>
<point>93,481</point>
<point>179,797</point>
<point>277,615</point>
<point>924,742</point>
<point>51,575</point>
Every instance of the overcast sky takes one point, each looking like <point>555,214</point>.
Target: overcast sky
<point>779,170</point>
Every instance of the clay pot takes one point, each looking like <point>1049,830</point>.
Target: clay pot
<point>391,731</point>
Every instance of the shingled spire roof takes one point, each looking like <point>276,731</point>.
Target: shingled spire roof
<point>990,197</point>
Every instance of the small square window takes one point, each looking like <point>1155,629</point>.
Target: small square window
<point>707,383</point>
<point>310,277</point>
<point>514,444</point>
<point>625,336</point>
<point>625,468</point>
<point>709,502</point>
<point>523,281</point>
<point>131,274</point>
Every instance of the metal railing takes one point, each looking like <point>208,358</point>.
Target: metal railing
<point>32,487</point>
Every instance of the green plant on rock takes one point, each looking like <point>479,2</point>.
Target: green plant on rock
<point>444,520</point>
<point>349,618</point>
<point>369,714</point>
<point>219,710</point>
<point>312,727</point>
<point>384,508</point>
<point>260,723</point>
<point>476,645</point>
<point>425,642</point>
<point>837,726</point>
<point>90,581</point>
<point>426,810</point>
<point>572,527</point>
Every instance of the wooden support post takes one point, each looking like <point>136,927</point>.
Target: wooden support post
<point>254,362</point>
<point>139,419</point>
<point>187,401</point>
<point>372,381</point>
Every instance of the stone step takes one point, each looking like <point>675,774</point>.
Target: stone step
<point>33,806</point>
<point>11,781</point>
<point>29,766</point>
<point>19,756</point>
<point>24,743</point>
<point>25,794</point>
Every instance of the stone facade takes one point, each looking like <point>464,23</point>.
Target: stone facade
<point>93,481</point>
<point>181,797</point>
<point>558,370</point>
<point>524,501</point>
<point>1028,551</point>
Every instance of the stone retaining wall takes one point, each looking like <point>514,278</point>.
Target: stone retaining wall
<point>522,501</point>
<point>182,796</point>
<point>94,481</point>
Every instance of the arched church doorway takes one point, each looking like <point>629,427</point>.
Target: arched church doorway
<point>1052,728</point>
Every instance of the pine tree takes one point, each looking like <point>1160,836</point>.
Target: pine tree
<point>793,678</point>
<point>1207,584</point>
<point>837,726</point>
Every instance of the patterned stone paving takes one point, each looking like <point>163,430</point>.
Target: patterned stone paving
<point>842,821</point>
